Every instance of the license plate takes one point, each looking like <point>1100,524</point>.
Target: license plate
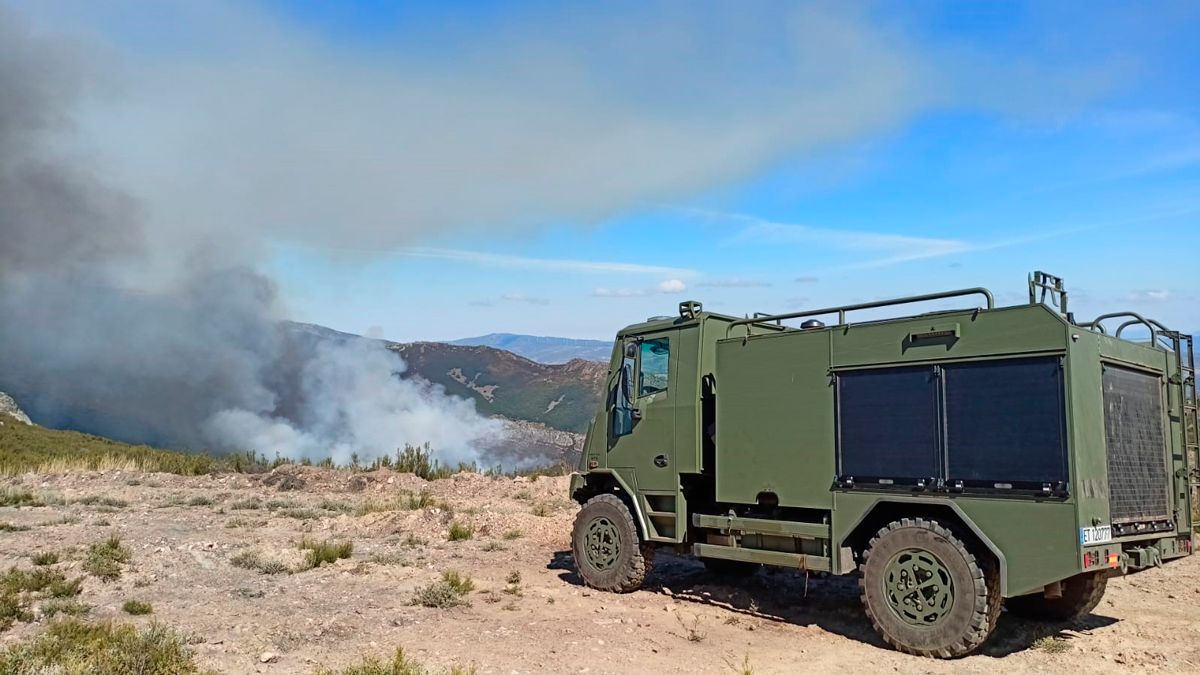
<point>1095,535</point>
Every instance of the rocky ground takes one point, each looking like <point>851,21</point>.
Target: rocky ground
<point>527,612</point>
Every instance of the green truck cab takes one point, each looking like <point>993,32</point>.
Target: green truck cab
<point>958,461</point>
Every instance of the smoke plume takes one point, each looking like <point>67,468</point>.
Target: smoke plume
<point>95,336</point>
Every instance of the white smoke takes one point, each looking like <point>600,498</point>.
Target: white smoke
<point>356,404</point>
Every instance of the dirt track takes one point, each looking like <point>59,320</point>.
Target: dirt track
<point>685,620</point>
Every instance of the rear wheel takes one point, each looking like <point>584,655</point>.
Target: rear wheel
<point>1080,595</point>
<point>926,592</point>
<point>608,552</point>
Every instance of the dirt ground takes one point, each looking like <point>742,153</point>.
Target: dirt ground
<point>684,621</point>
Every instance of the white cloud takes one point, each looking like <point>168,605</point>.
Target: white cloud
<point>1149,295</point>
<point>529,263</point>
<point>734,283</point>
<point>667,286</point>
<point>528,299</point>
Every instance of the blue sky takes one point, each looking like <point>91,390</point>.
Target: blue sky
<point>611,165</point>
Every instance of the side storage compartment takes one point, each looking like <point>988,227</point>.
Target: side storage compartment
<point>775,420</point>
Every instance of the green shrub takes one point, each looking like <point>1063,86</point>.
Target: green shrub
<point>512,534</point>
<point>68,606</point>
<point>461,531</point>
<point>11,527</point>
<point>45,558</point>
<point>137,607</point>
<point>252,560</point>
<point>104,559</point>
<point>449,591</point>
<point>75,646</point>
<point>399,665</point>
<point>252,503</point>
<point>200,500</point>
<point>319,553</point>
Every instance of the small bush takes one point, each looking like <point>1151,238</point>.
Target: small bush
<point>335,506</point>
<point>300,514</point>
<point>447,592</point>
<point>75,646</point>
<point>137,607</point>
<point>1052,645</point>
<point>96,500</point>
<point>45,558</point>
<point>253,560</point>
<point>494,546</point>
<point>18,497</point>
<point>104,559</point>
<point>541,509</point>
<point>250,504</point>
<point>512,534</point>
<point>200,500</point>
<point>68,606</point>
<point>399,665</point>
<point>389,558</point>
<point>513,583</point>
<point>461,531</point>
<point>238,521</point>
<point>319,553</point>
<point>11,527</point>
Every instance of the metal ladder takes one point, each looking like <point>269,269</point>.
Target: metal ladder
<point>1186,358</point>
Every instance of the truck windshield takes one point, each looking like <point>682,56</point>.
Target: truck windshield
<point>652,377</point>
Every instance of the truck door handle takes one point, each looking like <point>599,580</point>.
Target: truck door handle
<point>635,414</point>
<point>660,461</point>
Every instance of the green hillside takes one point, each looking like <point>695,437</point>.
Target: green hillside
<point>563,396</point>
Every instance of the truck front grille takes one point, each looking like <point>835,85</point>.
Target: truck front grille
<point>1133,425</point>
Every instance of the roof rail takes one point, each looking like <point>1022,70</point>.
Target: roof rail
<point>841,310</point>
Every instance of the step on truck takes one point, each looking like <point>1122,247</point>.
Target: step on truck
<point>958,461</point>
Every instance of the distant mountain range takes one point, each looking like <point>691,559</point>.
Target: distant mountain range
<point>543,349</point>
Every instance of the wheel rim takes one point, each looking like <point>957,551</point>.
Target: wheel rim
<point>603,543</point>
<point>918,587</point>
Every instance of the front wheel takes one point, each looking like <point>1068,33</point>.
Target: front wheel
<point>1080,595</point>
<point>608,552</point>
<point>926,592</point>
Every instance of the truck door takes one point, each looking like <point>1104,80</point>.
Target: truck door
<point>641,443</point>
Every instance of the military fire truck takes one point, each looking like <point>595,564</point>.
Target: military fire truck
<point>958,460</point>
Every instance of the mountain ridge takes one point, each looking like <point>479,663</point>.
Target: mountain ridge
<point>543,349</point>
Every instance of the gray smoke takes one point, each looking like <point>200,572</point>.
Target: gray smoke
<point>94,337</point>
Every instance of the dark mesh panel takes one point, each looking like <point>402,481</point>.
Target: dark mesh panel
<point>1004,421</point>
<point>887,423</point>
<point>1133,430</point>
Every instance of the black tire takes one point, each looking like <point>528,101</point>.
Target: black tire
<point>955,601</point>
<point>737,569</point>
<point>1080,595</point>
<point>609,554</point>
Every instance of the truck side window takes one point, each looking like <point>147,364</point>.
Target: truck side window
<point>652,377</point>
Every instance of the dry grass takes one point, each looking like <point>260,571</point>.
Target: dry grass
<point>253,560</point>
<point>75,647</point>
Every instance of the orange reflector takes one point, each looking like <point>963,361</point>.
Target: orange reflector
<point>1113,559</point>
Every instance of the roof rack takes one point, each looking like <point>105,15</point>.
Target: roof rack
<point>843,309</point>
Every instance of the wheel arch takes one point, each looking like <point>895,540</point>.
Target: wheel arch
<point>606,481</point>
<point>887,509</point>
